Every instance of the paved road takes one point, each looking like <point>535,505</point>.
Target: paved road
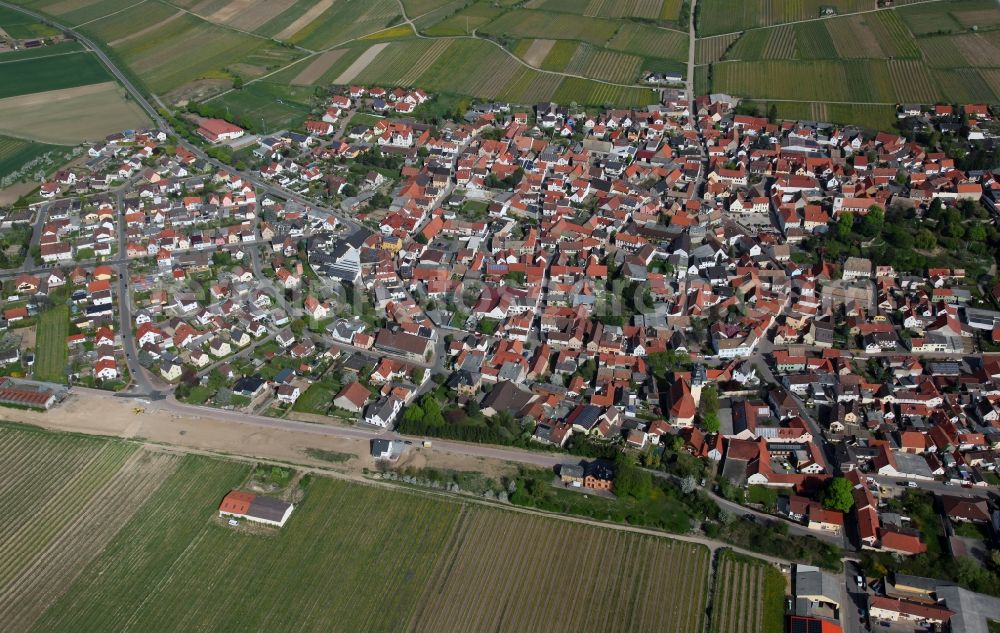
<point>853,598</point>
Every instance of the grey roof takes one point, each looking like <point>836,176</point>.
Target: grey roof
<point>810,581</point>
<point>971,609</point>
<point>268,508</point>
<point>571,470</point>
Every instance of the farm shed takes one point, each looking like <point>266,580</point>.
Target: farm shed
<point>246,505</point>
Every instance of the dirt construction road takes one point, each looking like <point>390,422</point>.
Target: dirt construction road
<point>251,436</point>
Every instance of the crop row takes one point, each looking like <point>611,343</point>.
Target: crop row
<point>559,576</point>
<point>48,515</point>
<point>45,575</point>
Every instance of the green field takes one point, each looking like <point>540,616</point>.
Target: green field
<point>50,344</point>
<point>15,152</point>
<point>39,74</point>
<point>561,26</point>
<point>760,50</point>
<point>22,27</point>
<point>62,48</point>
<point>875,117</point>
<point>258,102</point>
<point>187,49</point>
<point>716,17</point>
<point>920,53</point>
<point>114,538</point>
<point>345,21</point>
<point>749,595</point>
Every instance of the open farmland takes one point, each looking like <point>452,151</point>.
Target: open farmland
<point>711,49</point>
<point>343,20</point>
<point>71,115</point>
<point>22,27</point>
<point>465,21</point>
<point>38,74</point>
<point>15,152</point>
<point>186,49</point>
<point>50,340</point>
<point>861,81</point>
<point>716,17</point>
<point>589,61</point>
<point>544,24</point>
<point>949,17</point>
<point>562,577</point>
<point>649,41</point>
<point>646,9</point>
<point>749,596</point>
<point>78,12</point>
<point>117,537</point>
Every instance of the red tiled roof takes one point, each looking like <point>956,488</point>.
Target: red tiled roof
<point>236,502</point>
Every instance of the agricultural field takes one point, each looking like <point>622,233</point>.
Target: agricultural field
<point>949,17</point>
<point>543,24</point>
<point>800,81</point>
<point>341,21</point>
<point>27,75</point>
<point>594,580</point>
<point>50,345</point>
<point>747,597</point>
<point>71,495</point>
<point>114,537</point>
<point>15,152</point>
<point>712,49</point>
<point>133,23</point>
<point>21,27</point>
<point>77,12</point>
<point>559,55</point>
<point>589,61</point>
<point>645,9</point>
<point>465,21</point>
<point>244,15</point>
<point>259,102</point>
<point>648,41</point>
<point>71,115</point>
<point>185,49</point>
<point>716,17</point>
<point>967,50</point>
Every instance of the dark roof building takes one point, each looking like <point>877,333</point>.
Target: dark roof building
<point>252,507</point>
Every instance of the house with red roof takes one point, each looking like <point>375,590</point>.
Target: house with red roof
<point>219,130</point>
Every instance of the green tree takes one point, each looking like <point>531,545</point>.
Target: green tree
<point>710,422</point>
<point>839,495</point>
<point>630,480</point>
<point>413,414</point>
<point>872,222</point>
<point>976,233</point>
<point>925,240</point>
<point>844,225</point>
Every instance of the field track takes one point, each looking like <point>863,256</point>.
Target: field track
<point>537,51</point>
<point>141,32</point>
<point>311,73</point>
<point>360,64</point>
<point>314,12</point>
